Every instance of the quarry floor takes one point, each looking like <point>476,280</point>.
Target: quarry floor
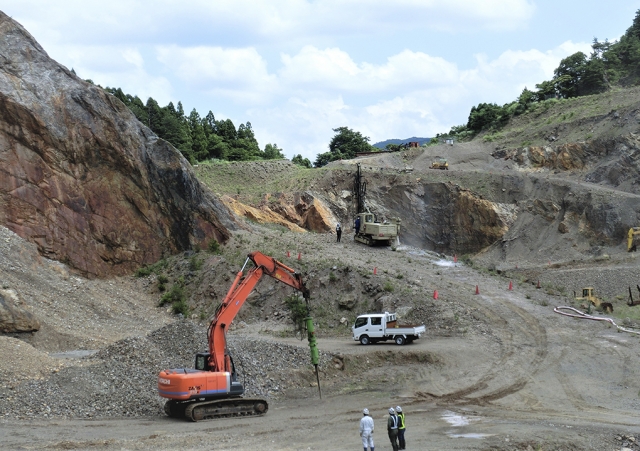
<point>523,377</point>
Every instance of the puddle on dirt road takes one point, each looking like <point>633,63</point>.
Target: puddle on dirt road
<point>434,258</point>
<point>468,435</point>
<point>76,354</point>
<point>446,263</point>
<point>459,421</point>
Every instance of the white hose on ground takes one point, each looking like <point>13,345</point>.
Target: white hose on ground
<point>581,315</point>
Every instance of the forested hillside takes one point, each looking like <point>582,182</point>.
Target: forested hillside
<point>196,137</point>
<point>610,65</point>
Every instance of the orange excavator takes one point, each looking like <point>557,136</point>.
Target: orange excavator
<point>212,390</point>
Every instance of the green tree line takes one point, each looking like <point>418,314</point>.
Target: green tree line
<point>345,144</point>
<point>198,138</point>
<point>610,64</point>
<point>204,138</point>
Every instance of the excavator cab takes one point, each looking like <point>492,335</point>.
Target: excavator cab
<point>202,361</point>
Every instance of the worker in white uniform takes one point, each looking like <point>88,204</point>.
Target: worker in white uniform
<point>366,430</point>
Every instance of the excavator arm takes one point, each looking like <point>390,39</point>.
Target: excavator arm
<point>219,359</point>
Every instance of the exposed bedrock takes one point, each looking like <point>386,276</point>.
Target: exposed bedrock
<point>82,178</point>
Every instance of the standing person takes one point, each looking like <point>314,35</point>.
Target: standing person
<point>338,231</point>
<point>401,428</point>
<point>357,225</point>
<point>392,428</point>
<point>366,430</point>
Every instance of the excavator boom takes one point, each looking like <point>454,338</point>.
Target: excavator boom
<point>238,293</point>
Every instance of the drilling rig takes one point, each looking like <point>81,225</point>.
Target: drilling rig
<point>368,229</point>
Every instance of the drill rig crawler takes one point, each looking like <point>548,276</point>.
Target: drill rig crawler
<point>212,390</point>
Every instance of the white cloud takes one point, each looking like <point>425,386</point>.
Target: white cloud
<point>412,94</point>
<point>239,74</point>
<point>133,57</point>
<point>308,123</point>
<point>330,67</point>
<point>502,79</point>
<point>250,22</point>
<point>103,58</point>
<point>334,69</point>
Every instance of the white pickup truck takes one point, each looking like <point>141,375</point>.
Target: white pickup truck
<point>375,327</point>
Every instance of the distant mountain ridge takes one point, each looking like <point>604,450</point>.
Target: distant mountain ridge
<point>383,144</point>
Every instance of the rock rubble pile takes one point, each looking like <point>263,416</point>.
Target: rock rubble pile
<point>120,380</point>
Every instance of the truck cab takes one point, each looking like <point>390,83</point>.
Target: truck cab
<point>374,322</point>
<point>367,328</point>
<point>375,327</point>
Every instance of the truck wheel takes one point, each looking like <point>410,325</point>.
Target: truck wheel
<point>399,340</point>
<point>364,339</point>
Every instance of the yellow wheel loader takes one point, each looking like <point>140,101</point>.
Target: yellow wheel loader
<point>589,296</point>
<point>440,163</point>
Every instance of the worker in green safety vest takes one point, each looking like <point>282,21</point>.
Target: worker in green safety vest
<point>401,427</point>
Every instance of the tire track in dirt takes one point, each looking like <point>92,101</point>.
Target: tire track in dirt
<point>586,408</point>
<point>523,347</point>
<point>568,386</point>
<point>621,356</point>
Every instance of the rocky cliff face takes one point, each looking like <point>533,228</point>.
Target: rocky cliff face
<point>82,178</point>
<point>614,162</point>
<point>299,212</point>
<point>446,218</point>
<point>561,219</point>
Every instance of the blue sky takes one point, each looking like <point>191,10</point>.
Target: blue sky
<point>296,69</point>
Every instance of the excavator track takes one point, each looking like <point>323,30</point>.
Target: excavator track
<point>219,408</point>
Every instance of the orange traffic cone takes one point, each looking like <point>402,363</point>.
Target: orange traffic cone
<point>477,290</point>
<point>510,285</point>
<point>375,270</point>
<point>435,294</point>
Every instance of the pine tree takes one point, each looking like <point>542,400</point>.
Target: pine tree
<point>198,137</point>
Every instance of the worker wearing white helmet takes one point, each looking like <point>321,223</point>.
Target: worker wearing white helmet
<point>401,428</point>
<point>366,430</point>
<point>392,428</point>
